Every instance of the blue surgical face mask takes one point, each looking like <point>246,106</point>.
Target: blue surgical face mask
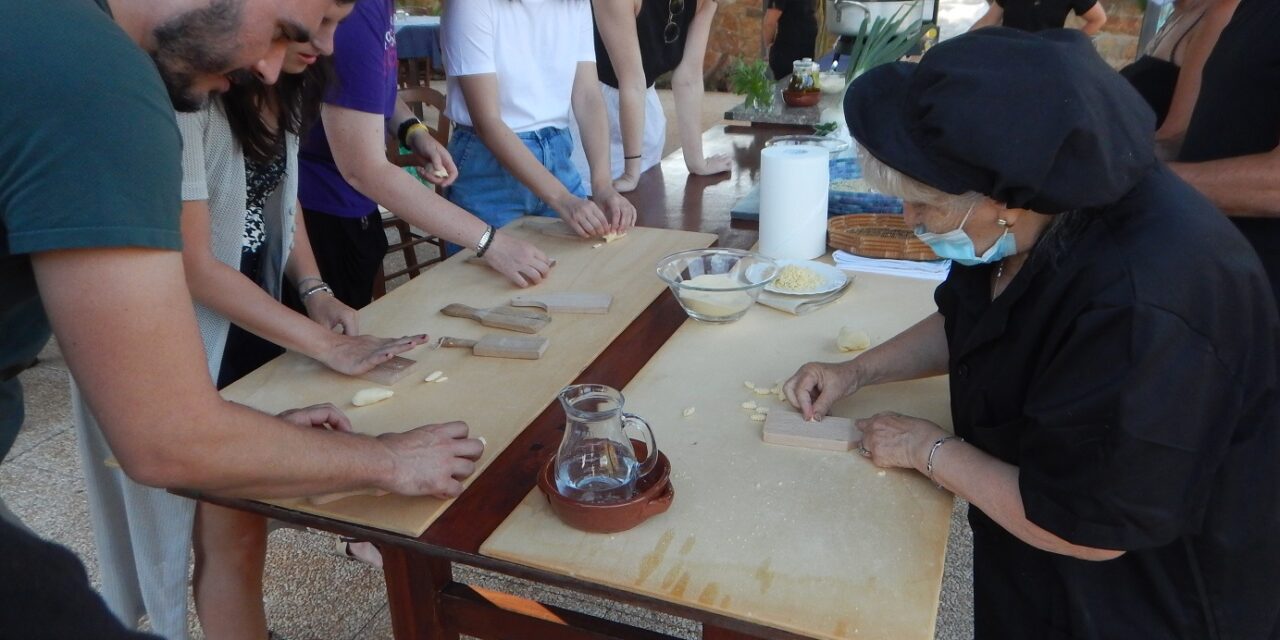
<point>956,245</point>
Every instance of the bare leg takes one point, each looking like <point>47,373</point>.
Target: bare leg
<point>230,549</point>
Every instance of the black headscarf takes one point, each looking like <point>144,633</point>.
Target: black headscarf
<point>1036,121</point>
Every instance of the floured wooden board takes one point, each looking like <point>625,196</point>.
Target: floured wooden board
<point>524,387</point>
<point>390,372</point>
<point>819,543</point>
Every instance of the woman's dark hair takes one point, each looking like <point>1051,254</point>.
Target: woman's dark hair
<point>296,97</point>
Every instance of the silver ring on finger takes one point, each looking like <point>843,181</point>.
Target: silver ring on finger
<point>865,452</point>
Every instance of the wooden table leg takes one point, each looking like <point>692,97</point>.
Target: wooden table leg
<point>414,585</point>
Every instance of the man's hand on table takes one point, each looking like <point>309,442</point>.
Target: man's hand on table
<point>320,416</point>
<point>818,385</point>
<point>358,355</point>
<point>521,262</point>
<point>620,212</point>
<point>432,460</point>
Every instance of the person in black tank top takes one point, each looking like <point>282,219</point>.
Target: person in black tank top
<point>1230,151</point>
<point>670,36</point>
<point>662,30</point>
<point>1038,15</point>
<point>1168,74</point>
<point>1155,73</point>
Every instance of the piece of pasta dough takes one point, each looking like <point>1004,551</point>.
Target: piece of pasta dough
<point>371,395</point>
<point>851,339</point>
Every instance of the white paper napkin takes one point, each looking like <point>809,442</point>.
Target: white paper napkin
<point>932,270</point>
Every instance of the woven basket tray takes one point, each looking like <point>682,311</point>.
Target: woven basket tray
<point>877,235</point>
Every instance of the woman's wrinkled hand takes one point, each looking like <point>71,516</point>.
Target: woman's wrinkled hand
<point>893,440</point>
<point>818,385</point>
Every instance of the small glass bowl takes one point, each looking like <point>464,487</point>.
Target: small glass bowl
<point>717,285</point>
<point>832,82</point>
<point>834,146</point>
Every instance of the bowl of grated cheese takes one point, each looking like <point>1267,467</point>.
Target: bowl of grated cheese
<point>806,278</point>
<point>717,285</point>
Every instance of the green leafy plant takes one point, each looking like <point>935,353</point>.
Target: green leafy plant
<point>754,81</point>
<point>883,40</point>
<point>826,128</point>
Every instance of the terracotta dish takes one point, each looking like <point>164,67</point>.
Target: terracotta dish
<point>877,235</point>
<point>801,98</point>
<point>653,496</point>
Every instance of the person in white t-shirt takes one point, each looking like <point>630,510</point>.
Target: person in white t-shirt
<point>516,70</point>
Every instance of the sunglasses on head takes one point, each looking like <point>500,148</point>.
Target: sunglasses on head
<point>671,32</point>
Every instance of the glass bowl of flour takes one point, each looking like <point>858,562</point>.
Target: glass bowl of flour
<point>717,285</point>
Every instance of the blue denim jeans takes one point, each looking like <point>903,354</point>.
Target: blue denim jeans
<point>491,193</point>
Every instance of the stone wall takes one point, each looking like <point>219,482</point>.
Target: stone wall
<point>737,34</point>
<point>421,7</point>
<point>1118,42</point>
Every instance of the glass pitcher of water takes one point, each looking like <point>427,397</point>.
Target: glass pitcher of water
<point>596,463</point>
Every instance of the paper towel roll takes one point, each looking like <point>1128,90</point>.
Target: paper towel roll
<point>793,201</point>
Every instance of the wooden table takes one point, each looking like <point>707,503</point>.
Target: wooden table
<point>424,601</point>
<point>820,543</point>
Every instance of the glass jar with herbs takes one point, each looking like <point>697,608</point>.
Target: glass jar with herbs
<point>804,76</point>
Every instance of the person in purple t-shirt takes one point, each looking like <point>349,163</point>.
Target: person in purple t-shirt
<point>344,173</point>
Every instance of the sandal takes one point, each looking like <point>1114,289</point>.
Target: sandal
<point>359,550</point>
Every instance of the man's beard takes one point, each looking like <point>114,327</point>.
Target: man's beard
<point>196,43</point>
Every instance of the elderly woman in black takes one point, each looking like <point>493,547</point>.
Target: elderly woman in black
<point>1111,342</point>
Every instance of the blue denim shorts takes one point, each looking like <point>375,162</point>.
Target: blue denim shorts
<point>491,193</point>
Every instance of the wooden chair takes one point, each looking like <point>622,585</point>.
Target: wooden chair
<point>428,105</point>
<point>416,72</point>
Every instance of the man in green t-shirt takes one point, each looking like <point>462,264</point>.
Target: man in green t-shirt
<point>89,239</point>
<point>89,249</point>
